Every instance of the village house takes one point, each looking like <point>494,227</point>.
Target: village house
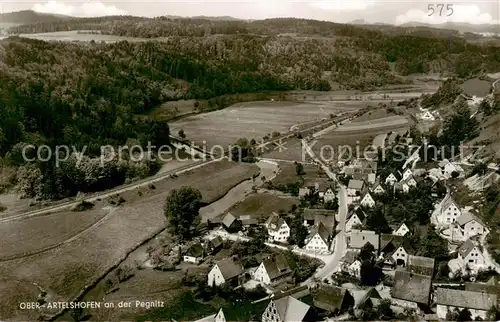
<point>490,287</point>
<point>427,115</point>
<point>194,254</point>
<point>355,188</point>
<point>224,271</point>
<point>316,216</point>
<point>447,168</point>
<point>406,184</point>
<point>391,179</point>
<point>319,240</point>
<point>470,253</point>
<point>394,250</point>
<point>478,304</point>
<point>469,226</point>
<point>449,212</point>
<point>231,224</point>
<point>273,270</point>
<point>408,173</point>
<point>351,264</point>
<point>214,245</point>
<point>328,195</point>
<point>421,265</point>
<point>277,228</point>
<point>370,300</point>
<point>377,188</point>
<point>296,292</point>
<point>411,290</point>
<point>367,200</point>
<point>402,230</point>
<point>218,317</point>
<point>248,221</point>
<point>287,309</point>
<point>355,219</point>
<point>358,238</point>
<point>361,167</point>
<point>333,299</point>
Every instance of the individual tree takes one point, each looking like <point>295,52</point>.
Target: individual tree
<point>181,134</point>
<point>181,209</point>
<point>299,168</point>
<point>455,174</point>
<point>432,245</point>
<point>376,220</point>
<point>332,204</point>
<point>367,252</point>
<point>298,232</point>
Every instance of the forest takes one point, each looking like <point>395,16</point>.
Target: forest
<point>91,94</point>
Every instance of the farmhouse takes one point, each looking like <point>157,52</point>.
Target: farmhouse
<point>367,200</point>
<point>411,289</point>
<point>351,264</point>
<point>449,212</point>
<point>316,216</point>
<point>273,270</point>
<point>477,303</point>
<point>421,265</point>
<point>391,179</point>
<point>287,309</point>
<point>277,228</point>
<point>248,221</point>
<point>230,223</point>
<point>328,195</point>
<point>470,254</point>
<point>407,174</point>
<point>355,219</point>
<point>378,189</point>
<point>470,226</point>
<point>355,187</point>
<point>219,317</point>
<point>358,238</point>
<point>318,240</point>
<point>426,115</point>
<point>402,230</point>
<point>333,299</point>
<point>447,168</point>
<point>224,271</point>
<point>194,254</point>
<point>394,250</point>
<point>214,245</point>
<point>370,300</point>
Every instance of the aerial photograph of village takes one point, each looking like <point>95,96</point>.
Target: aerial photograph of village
<point>260,160</point>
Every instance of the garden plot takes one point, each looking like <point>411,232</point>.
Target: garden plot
<point>254,120</point>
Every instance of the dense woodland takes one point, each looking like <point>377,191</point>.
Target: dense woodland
<point>90,94</point>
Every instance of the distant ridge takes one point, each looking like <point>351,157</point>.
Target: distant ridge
<point>29,17</point>
<point>462,27</point>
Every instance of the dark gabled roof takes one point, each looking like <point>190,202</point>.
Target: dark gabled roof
<point>228,220</point>
<point>411,287</point>
<point>229,269</point>
<point>196,250</point>
<point>216,241</point>
<point>466,217</point>
<point>465,299</point>
<point>372,293</point>
<point>356,184</point>
<point>359,212</point>
<point>275,220</point>
<point>291,309</point>
<point>350,257</point>
<point>296,292</point>
<point>466,248</point>
<point>321,230</point>
<point>332,296</point>
<point>277,266</point>
<point>390,242</point>
<point>483,288</point>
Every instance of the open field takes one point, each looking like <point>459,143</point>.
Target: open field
<point>261,205</point>
<point>74,35</point>
<point>476,87</point>
<point>254,120</point>
<point>44,231</point>
<point>356,135</point>
<point>292,151</point>
<point>66,270</point>
<point>287,173</point>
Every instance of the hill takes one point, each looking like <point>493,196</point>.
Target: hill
<point>31,17</point>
